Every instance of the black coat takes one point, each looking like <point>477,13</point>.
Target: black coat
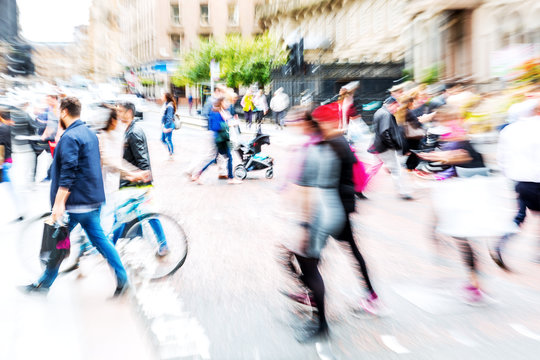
<point>388,135</point>
<point>346,185</point>
<point>136,151</point>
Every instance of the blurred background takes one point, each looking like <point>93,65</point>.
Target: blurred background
<point>223,303</point>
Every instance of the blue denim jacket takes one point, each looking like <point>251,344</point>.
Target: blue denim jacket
<point>77,167</point>
<point>168,117</point>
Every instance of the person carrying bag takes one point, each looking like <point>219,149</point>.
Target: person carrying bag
<point>55,244</point>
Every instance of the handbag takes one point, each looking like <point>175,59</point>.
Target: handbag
<point>54,243</point>
<point>177,122</point>
<point>412,132</point>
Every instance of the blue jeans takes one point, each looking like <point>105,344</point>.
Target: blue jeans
<point>166,138</point>
<point>5,172</point>
<point>223,149</point>
<point>154,223</point>
<point>90,223</point>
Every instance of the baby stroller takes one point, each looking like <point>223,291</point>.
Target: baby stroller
<point>253,159</point>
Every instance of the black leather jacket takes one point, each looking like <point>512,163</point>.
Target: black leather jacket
<point>136,151</point>
<point>387,133</point>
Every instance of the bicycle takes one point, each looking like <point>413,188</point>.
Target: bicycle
<point>136,245</point>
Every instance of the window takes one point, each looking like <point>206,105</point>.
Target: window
<point>175,14</point>
<point>233,14</point>
<point>204,37</point>
<point>258,10</point>
<point>205,16</point>
<point>175,44</point>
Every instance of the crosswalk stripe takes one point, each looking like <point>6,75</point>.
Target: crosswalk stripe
<point>393,344</point>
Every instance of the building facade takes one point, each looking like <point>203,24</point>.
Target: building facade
<point>470,40</point>
<point>105,56</point>
<point>357,31</point>
<point>62,61</point>
<point>156,32</point>
<point>344,41</point>
<point>9,20</point>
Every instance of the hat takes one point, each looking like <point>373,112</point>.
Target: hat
<point>329,112</point>
<point>389,100</point>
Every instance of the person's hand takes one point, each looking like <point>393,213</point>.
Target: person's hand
<point>428,156</point>
<point>145,175</point>
<point>58,211</point>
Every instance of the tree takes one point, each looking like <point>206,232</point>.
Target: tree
<point>242,61</point>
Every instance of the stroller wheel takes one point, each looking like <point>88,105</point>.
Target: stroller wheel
<point>269,173</point>
<point>240,172</point>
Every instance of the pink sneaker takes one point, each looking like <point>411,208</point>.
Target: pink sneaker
<point>301,298</point>
<point>473,295</point>
<point>371,304</point>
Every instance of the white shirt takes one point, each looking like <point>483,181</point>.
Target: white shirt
<point>518,153</point>
<point>111,146</point>
<point>521,110</point>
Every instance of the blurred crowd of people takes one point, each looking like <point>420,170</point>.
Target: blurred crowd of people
<point>417,131</point>
<point>429,136</point>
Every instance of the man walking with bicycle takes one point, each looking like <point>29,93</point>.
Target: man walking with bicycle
<point>77,189</point>
<point>136,154</point>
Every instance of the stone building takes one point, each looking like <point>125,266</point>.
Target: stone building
<point>105,57</point>
<point>344,41</point>
<point>468,39</point>
<point>339,30</point>
<point>155,32</point>
<point>64,61</point>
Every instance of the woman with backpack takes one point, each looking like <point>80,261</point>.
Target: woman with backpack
<point>167,122</point>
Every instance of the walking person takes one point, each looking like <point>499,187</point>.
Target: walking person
<point>190,103</point>
<point>6,162</point>
<point>47,126</point>
<point>329,117</point>
<point>137,156</point>
<point>388,141</point>
<point>413,131</point>
<point>321,214</point>
<point>167,123</point>
<point>248,107</point>
<point>261,106</point>
<point>518,156</point>
<point>279,105</point>
<point>77,189</point>
<point>463,208</point>
<point>220,128</point>
<point>209,146</point>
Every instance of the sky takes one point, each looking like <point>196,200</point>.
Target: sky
<point>51,20</point>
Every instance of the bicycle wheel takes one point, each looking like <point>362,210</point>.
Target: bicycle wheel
<point>139,247</point>
<point>29,245</point>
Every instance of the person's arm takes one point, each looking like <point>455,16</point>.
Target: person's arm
<point>451,157</point>
<point>137,144</point>
<point>169,115</point>
<point>215,119</point>
<point>70,162</point>
<point>59,207</point>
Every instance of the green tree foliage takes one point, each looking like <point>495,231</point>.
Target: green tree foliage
<point>242,61</point>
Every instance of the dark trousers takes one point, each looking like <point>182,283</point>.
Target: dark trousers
<point>311,277</point>
<point>528,198</point>
<point>248,115</point>
<point>412,160</point>
<point>347,237</point>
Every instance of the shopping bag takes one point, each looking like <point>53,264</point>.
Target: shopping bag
<point>54,243</point>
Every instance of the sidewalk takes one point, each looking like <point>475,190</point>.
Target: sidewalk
<point>76,320</point>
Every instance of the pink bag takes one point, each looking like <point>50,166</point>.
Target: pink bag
<point>362,174</point>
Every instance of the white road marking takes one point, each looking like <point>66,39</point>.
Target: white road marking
<point>324,350</point>
<point>462,338</point>
<point>393,344</point>
<point>522,329</point>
